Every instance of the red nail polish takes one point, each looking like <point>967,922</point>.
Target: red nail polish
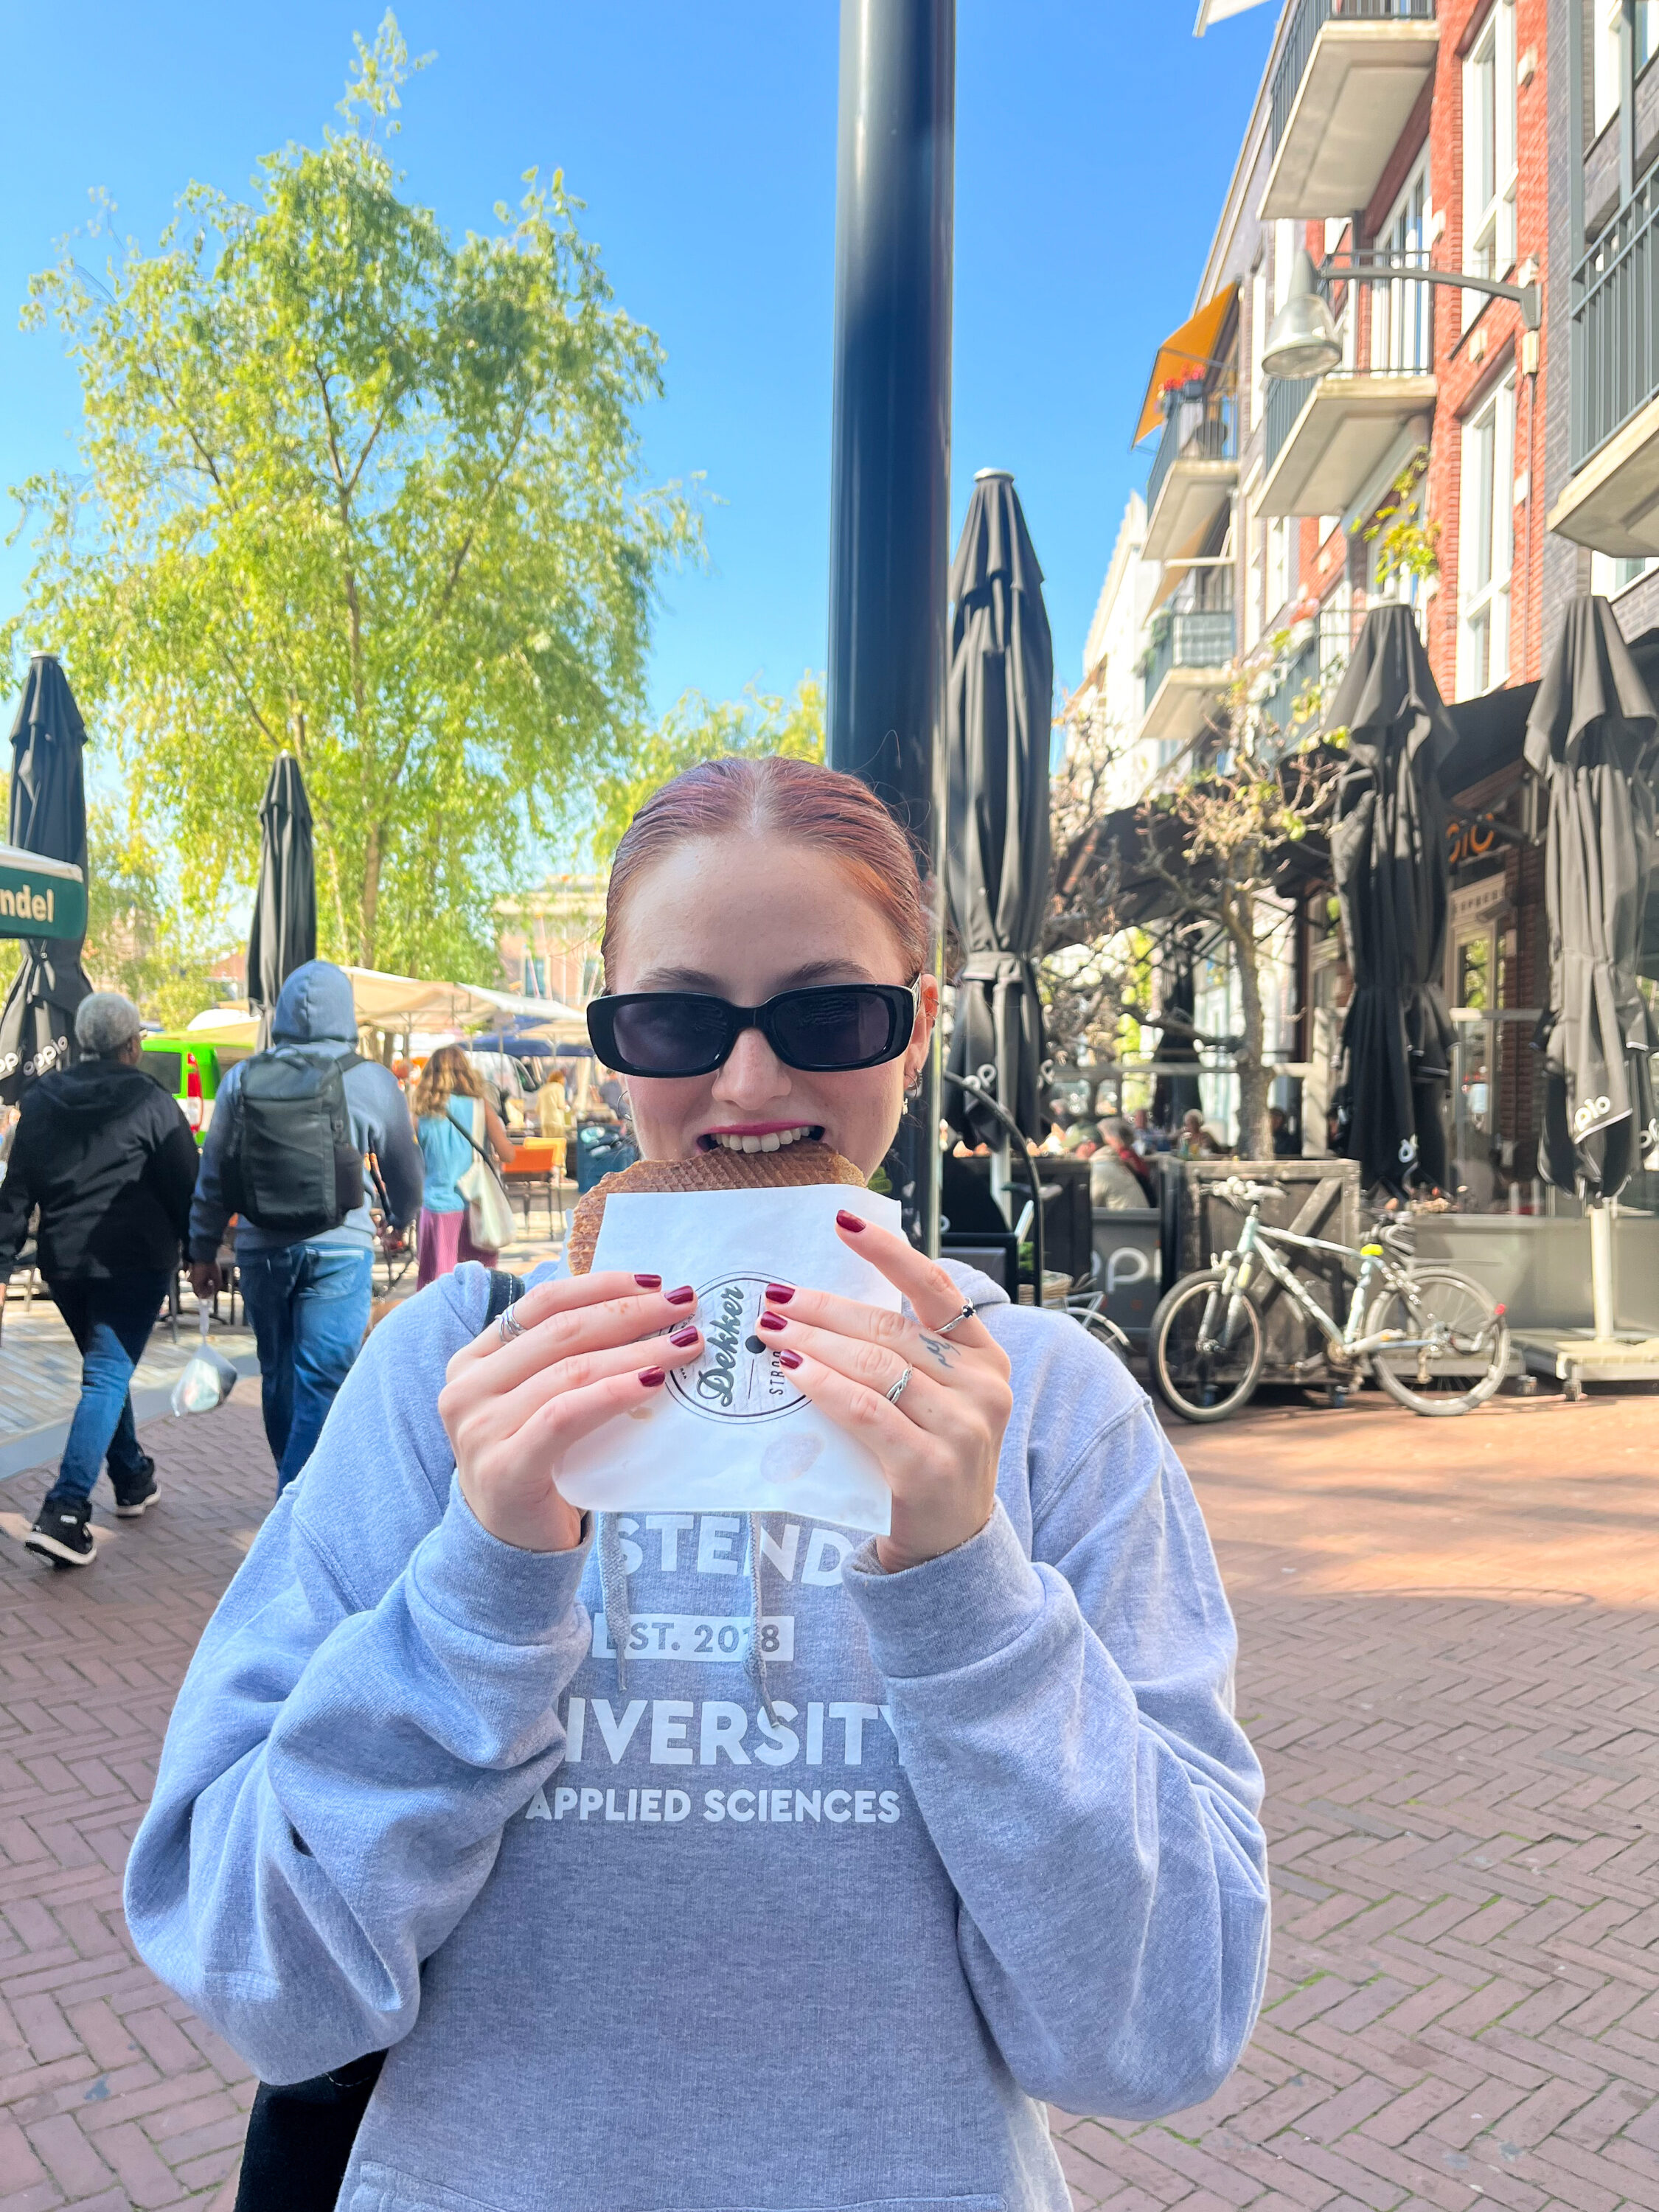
<point>649,1282</point>
<point>652,1378</point>
<point>789,1359</point>
<point>849,1222</point>
<point>681,1337</point>
<point>684,1296</point>
<point>780,1293</point>
<point>773,1321</point>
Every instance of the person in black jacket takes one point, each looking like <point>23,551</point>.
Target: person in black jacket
<point>109,1159</point>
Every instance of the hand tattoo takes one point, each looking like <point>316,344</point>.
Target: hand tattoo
<point>944,1354</point>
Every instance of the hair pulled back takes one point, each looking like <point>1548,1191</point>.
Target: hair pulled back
<point>794,802</point>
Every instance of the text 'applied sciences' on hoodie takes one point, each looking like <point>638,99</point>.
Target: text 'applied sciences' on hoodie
<point>672,1930</point>
<point>315,1010</point>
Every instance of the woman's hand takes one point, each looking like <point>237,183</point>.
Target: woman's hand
<point>592,1347</point>
<point>938,1446</point>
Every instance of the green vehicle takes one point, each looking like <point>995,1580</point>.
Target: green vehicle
<point>191,1070</point>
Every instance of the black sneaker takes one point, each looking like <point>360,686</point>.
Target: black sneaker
<point>63,1534</point>
<point>137,1496</point>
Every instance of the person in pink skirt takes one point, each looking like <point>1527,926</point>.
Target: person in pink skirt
<point>453,1122</point>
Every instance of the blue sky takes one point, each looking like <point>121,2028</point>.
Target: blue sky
<point>1094,143</point>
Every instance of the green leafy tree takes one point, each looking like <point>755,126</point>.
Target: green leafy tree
<point>357,490</point>
<point>696,730</point>
<point>139,940</point>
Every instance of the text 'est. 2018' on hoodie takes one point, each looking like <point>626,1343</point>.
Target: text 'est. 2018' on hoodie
<point>638,1943</point>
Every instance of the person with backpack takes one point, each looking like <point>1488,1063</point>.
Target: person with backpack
<point>285,1153</point>
<point>107,1157</point>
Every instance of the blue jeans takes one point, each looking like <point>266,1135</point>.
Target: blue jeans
<point>309,1306</point>
<point>110,1320</point>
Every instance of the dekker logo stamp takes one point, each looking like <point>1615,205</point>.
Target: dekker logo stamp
<point>738,1377</point>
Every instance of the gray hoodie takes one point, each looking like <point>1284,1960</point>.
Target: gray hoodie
<point>643,1943</point>
<point>315,1007</point>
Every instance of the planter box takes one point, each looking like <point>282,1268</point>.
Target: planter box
<point>1321,1199</point>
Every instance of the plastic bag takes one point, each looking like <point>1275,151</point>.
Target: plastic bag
<point>207,1381</point>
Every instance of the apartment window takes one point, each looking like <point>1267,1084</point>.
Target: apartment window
<point>1279,565</point>
<point>1489,172</point>
<point>1605,55</point>
<point>1613,573</point>
<point>1285,230</point>
<point>1486,543</point>
<point>1258,341</point>
<point>535,976</point>
<point>1402,339</point>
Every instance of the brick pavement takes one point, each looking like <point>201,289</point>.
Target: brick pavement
<point>1450,1638</point>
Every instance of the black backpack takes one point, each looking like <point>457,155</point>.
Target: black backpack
<point>290,1166</point>
<point>300,2136</point>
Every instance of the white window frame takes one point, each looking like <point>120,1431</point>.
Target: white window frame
<point>1611,573</point>
<point>1486,543</point>
<point>1489,153</point>
<point>1402,318</point>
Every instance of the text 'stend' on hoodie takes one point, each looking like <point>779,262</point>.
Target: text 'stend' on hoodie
<point>315,1010</point>
<point>645,1945</point>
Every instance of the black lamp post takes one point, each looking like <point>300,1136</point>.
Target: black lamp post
<point>891,461</point>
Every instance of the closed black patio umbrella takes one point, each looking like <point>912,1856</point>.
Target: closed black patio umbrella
<point>47,815</point>
<point>284,933</point>
<point>1593,736</point>
<point>1000,714</point>
<point>1388,857</point>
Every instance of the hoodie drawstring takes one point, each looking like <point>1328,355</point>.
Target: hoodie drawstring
<point>618,1611</point>
<point>754,1660</point>
<point>613,1587</point>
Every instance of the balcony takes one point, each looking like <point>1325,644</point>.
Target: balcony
<point>1193,475</point>
<point>1326,436</point>
<point>1349,76</point>
<point>1188,670</point>
<point>1610,502</point>
<point>1307,673</point>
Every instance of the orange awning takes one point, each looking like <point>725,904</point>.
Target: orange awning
<point>1194,341</point>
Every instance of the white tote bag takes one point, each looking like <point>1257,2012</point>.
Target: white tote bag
<point>489,1221</point>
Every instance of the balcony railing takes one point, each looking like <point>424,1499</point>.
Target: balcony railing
<point>1202,429</point>
<point>1614,364</point>
<point>1287,398</point>
<point>1200,637</point>
<point>1309,21</point>
<point>1314,664</point>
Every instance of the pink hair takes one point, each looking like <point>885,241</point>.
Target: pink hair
<point>797,802</point>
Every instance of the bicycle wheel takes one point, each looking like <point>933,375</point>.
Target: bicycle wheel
<point>1103,1332</point>
<point>1469,1350</point>
<point>1196,1376</point>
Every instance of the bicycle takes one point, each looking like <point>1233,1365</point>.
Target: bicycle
<point>1435,1341</point>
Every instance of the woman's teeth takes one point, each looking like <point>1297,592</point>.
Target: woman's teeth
<point>773,1142</point>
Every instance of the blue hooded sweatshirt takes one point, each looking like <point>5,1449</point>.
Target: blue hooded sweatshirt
<point>315,1009</point>
<point>682,1932</point>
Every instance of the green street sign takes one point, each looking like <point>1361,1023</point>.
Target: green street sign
<point>39,898</point>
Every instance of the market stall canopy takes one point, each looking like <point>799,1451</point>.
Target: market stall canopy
<point>39,897</point>
<point>1594,737</point>
<point>1192,346</point>
<point>409,1002</point>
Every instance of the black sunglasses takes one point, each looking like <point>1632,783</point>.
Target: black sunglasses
<point>832,1027</point>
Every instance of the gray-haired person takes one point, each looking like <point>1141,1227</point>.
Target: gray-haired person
<point>109,1159</point>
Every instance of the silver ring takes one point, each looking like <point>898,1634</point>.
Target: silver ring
<point>955,1321</point>
<point>507,1327</point>
<point>898,1388</point>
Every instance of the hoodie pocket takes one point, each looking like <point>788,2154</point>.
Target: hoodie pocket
<point>382,2189</point>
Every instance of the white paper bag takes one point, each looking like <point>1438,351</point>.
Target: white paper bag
<point>731,1433</point>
